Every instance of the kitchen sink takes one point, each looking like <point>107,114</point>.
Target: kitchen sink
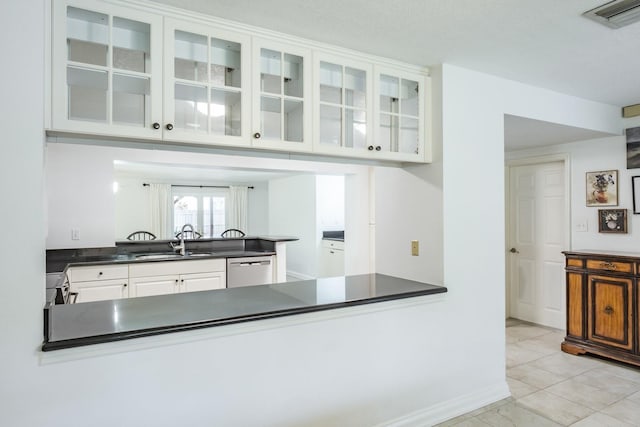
<point>158,256</point>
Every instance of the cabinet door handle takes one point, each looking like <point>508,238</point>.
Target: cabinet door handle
<point>608,265</point>
<point>378,148</point>
<point>176,281</point>
<point>156,125</point>
<point>169,126</point>
<point>608,309</point>
<point>257,135</point>
<point>124,284</point>
<point>370,148</point>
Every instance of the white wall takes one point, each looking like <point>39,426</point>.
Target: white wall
<point>295,216</point>
<point>329,203</point>
<point>587,156</point>
<point>132,205</point>
<point>258,209</point>
<point>357,370</point>
<point>80,196</point>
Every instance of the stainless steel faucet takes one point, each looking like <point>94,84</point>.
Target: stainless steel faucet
<point>182,246</point>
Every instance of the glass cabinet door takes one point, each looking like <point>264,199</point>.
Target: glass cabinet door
<point>343,106</point>
<point>103,70</point>
<point>206,89</point>
<point>280,91</point>
<point>399,109</point>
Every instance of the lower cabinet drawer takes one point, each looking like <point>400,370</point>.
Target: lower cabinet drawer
<point>617,266</point>
<point>98,272</point>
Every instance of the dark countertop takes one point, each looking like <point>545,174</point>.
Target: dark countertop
<point>596,252</point>
<point>73,325</point>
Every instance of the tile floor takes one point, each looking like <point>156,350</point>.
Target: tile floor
<point>552,388</point>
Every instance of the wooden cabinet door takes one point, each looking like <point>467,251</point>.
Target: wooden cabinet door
<point>610,311</point>
<point>575,305</point>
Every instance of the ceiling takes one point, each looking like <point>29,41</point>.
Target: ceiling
<point>544,43</point>
<point>194,174</point>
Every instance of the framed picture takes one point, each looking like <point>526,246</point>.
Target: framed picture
<point>612,220</point>
<point>635,186</point>
<point>602,188</point>
<point>633,147</point>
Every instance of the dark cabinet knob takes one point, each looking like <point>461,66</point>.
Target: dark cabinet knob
<point>100,273</point>
<point>169,126</point>
<point>125,285</point>
<point>608,309</point>
<point>378,148</point>
<point>156,125</point>
<point>370,148</point>
<point>257,135</point>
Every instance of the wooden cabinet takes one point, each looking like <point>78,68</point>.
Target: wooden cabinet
<point>602,305</point>
<point>97,283</point>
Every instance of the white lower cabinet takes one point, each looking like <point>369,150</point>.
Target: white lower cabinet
<point>155,285</point>
<point>332,258</point>
<point>161,278</point>
<point>96,283</point>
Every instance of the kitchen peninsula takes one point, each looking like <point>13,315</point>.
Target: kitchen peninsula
<point>73,325</point>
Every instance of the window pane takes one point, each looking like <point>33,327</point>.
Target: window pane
<point>225,112</point>
<point>130,100</point>
<point>293,75</point>
<point>87,36</point>
<point>330,125</point>
<point>225,63</point>
<point>131,45</point>
<point>355,88</point>
<point>410,98</point>
<point>270,117</point>
<point>355,134</point>
<point>185,211</point>
<point>191,108</point>
<point>330,83</point>
<point>87,94</point>
<point>190,57</point>
<point>389,93</point>
<point>271,71</point>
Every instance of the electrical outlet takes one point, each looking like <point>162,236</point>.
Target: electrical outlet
<point>415,248</point>
<point>75,234</point>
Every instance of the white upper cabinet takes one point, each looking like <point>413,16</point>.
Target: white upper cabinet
<point>343,106</point>
<point>400,115</point>
<point>120,71</point>
<point>106,70</point>
<point>281,96</point>
<point>207,79</point>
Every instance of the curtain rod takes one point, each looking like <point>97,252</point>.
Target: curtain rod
<point>198,186</point>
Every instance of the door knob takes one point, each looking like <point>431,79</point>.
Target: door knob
<point>514,251</point>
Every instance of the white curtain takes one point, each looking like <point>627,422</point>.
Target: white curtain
<point>161,210</point>
<point>237,207</point>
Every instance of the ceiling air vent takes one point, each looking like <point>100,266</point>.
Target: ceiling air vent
<point>616,14</point>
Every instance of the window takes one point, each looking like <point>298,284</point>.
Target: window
<point>204,208</point>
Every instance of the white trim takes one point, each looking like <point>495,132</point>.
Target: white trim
<point>170,339</point>
<point>452,408</point>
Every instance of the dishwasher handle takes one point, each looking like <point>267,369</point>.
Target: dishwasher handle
<point>249,264</point>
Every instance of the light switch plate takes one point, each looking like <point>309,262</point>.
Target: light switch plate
<point>75,234</point>
<point>581,226</point>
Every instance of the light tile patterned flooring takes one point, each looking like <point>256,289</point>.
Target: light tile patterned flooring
<point>552,388</point>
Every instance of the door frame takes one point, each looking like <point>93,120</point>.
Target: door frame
<point>527,161</point>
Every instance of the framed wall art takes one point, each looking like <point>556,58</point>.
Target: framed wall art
<point>635,188</point>
<point>612,220</point>
<point>633,147</point>
<point>602,188</point>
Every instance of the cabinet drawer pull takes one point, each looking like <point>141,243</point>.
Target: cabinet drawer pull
<point>608,309</point>
<point>608,265</point>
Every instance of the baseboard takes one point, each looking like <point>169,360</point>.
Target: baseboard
<point>299,276</point>
<point>451,408</point>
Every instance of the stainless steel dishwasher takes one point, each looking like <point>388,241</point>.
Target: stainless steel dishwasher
<point>249,271</point>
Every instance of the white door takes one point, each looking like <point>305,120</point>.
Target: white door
<point>537,237</point>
